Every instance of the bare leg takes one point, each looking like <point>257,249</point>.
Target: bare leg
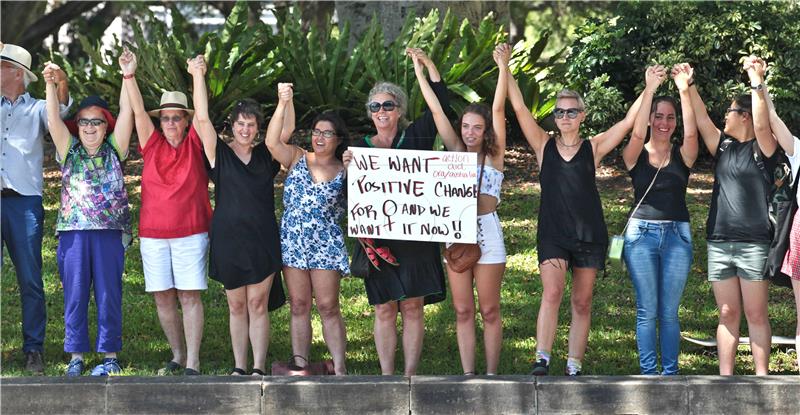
<point>298,282</point>
<point>582,287</point>
<point>755,295</point>
<point>464,306</point>
<point>192,307</point>
<point>257,298</point>
<point>554,274</point>
<point>168,316</point>
<point>326,294</point>
<point>488,278</point>
<point>796,289</point>
<point>413,332</point>
<point>237,312</point>
<point>729,303</point>
<point>386,335</point>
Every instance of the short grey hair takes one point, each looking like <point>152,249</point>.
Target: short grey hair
<point>395,91</point>
<point>570,94</point>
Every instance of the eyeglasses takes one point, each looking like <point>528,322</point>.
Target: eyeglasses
<point>386,105</point>
<point>325,133</point>
<point>739,110</point>
<point>175,118</point>
<point>95,122</point>
<point>571,113</point>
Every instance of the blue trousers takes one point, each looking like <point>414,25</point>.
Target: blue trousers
<point>85,259</point>
<point>658,256</point>
<point>22,223</point>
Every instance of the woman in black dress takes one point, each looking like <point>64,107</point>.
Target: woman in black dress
<point>245,243</point>
<point>419,277</point>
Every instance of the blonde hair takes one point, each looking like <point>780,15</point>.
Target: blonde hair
<point>570,94</point>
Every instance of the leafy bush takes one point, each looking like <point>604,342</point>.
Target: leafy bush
<point>711,36</point>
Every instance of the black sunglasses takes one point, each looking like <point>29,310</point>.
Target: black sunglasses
<point>571,113</point>
<point>386,105</point>
<point>96,122</point>
<point>739,110</point>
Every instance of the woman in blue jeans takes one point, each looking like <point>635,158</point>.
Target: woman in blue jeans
<point>658,240</point>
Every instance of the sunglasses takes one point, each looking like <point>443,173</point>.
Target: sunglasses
<point>739,110</point>
<point>571,113</point>
<point>175,118</point>
<point>386,105</point>
<point>325,133</point>
<point>95,122</point>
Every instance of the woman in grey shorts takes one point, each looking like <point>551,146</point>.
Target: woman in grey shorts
<point>738,227</point>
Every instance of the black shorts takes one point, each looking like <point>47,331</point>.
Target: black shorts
<point>578,254</point>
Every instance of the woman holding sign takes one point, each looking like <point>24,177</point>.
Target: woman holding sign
<point>418,278</point>
<point>312,242</point>
<point>572,232</point>
<point>481,130</point>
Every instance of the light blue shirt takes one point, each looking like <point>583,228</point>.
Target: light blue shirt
<point>23,125</point>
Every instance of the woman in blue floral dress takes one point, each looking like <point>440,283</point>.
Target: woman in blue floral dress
<point>312,242</point>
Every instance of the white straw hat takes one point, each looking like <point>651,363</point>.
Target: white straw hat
<point>18,57</point>
<point>172,100</point>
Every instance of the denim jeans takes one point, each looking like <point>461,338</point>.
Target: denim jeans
<point>22,222</point>
<point>658,256</point>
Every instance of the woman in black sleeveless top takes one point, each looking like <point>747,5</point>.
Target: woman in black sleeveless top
<point>572,233</point>
<point>658,239</point>
<point>738,229</point>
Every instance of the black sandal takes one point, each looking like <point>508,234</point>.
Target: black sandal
<point>257,372</point>
<point>237,372</point>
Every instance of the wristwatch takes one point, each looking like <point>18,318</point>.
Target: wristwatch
<point>758,87</point>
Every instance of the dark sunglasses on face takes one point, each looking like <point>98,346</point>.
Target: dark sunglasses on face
<point>571,113</point>
<point>95,122</point>
<point>175,118</point>
<point>386,105</point>
<point>739,110</point>
<point>325,133</point>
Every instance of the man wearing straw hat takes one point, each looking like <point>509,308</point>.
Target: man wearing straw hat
<point>174,218</point>
<point>24,125</point>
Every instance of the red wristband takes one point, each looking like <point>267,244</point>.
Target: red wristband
<point>129,76</point>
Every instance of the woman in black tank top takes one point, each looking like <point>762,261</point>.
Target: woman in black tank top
<point>658,239</point>
<point>738,226</point>
<point>572,232</point>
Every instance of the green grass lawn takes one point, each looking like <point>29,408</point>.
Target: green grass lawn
<point>612,343</point>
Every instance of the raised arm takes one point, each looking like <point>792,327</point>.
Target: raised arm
<point>201,120</point>
<point>58,130</point>
<point>606,141</point>
<point>288,119</point>
<point>421,62</point>
<point>124,126</point>
<point>755,69</point>
<point>533,133</point>
<point>144,125</point>
<point>281,150</point>
<point>501,55</point>
<point>682,74</point>
<point>779,128</point>
<point>708,131</point>
<point>62,86</point>
<point>634,147</point>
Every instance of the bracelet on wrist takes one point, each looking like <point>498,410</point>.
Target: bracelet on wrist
<point>691,82</point>
<point>128,76</point>
<point>758,87</point>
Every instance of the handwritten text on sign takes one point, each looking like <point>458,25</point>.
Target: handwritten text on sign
<point>412,195</point>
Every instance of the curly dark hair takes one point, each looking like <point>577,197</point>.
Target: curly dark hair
<point>339,126</point>
<point>249,108</point>
<point>489,135</point>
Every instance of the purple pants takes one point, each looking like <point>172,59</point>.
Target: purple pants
<point>87,258</point>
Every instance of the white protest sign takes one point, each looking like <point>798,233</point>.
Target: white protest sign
<point>412,195</point>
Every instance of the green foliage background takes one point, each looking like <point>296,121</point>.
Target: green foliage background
<point>711,36</point>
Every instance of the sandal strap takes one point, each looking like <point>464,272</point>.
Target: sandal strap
<point>238,371</point>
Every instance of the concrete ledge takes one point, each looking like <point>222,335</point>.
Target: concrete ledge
<point>336,395</point>
<point>473,395</point>
<point>231,395</point>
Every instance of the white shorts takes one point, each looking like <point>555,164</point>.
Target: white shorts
<point>180,263</point>
<point>490,238</point>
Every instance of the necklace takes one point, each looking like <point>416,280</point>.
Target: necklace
<point>563,144</point>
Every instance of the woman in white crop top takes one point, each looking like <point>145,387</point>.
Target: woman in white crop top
<point>482,130</point>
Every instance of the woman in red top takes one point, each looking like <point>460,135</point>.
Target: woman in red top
<point>174,218</point>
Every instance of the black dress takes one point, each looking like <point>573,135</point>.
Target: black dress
<point>420,273</point>
<point>245,241</point>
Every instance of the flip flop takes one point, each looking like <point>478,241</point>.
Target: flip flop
<point>371,255</point>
